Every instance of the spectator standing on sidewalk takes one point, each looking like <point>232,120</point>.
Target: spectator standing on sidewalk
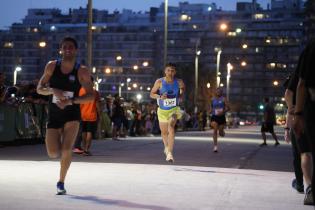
<point>302,158</point>
<point>304,111</point>
<point>90,113</point>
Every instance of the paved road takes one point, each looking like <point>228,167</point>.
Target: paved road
<point>238,149</point>
<point>132,174</point>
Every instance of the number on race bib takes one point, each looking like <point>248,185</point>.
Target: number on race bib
<point>218,111</point>
<point>169,102</point>
<point>66,94</point>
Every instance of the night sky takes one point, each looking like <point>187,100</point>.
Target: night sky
<point>15,10</point>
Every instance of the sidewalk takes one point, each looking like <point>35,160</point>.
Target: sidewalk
<point>31,185</point>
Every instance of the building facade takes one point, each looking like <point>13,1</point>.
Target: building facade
<point>258,47</point>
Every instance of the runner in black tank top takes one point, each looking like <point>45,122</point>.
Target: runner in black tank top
<point>57,117</point>
<point>62,80</point>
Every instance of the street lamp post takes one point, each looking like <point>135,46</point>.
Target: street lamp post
<point>127,81</point>
<point>219,51</point>
<point>18,68</point>
<point>198,52</point>
<point>165,30</point>
<point>228,76</point>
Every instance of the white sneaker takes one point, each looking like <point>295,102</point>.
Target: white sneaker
<point>169,157</point>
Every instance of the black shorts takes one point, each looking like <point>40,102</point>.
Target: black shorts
<point>218,119</point>
<point>89,126</point>
<point>58,118</point>
<point>267,127</point>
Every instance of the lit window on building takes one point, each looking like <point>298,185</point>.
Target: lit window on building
<point>268,41</point>
<point>259,16</point>
<point>8,45</point>
<point>271,65</point>
<point>185,17</point>
<point>195,26</point>
<point>35,30</point>
<point>232,33</point>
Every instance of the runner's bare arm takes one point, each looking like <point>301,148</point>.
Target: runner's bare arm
<point>154,90</point>
<point>86,82</point>
<point>42,87</point>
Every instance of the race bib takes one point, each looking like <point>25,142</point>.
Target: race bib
<point>169,102</point>
<point>218,111</point>
<point>66,94</point>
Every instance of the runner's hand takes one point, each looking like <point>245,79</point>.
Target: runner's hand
<point>59,94</point>
<point>63,103</point>
<point>164,96</point>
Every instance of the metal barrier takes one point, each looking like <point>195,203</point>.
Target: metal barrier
<point>25,121</point>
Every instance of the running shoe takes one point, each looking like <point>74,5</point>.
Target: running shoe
<point>277,144</point>
<point>263,144</point>
<point>308,199</point>
<point>169,157</point>
<point>297,187</point>
<point>61,188</point>
<point>77,151</point>
<point>215,149</point>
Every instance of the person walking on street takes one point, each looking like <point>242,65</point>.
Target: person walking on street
<point>168,91</point>
<point>62,80</point>
<point>268,123</point>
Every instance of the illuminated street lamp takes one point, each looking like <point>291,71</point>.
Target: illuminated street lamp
<point>17,69</point>
<point>275,83</point>
<point>135,67</point>
<point>145,63</point>
<point>139,97</point>
<point>243,63</point>
<point>238,30</point>
<point>219,51</point>
<point>244,46</point>
<point>42,44</point>
<point>223,27</point>
<point>118,58</point>
<point>208,85</point>
<point>228,76</point>
<point>107,70</point>
<point>198,52</point>
<point>128,88</point>
<point>119,88</point>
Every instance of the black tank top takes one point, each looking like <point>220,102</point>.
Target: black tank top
<point>66,82</point>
